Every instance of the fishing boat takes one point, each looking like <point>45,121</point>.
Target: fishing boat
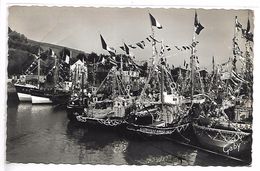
<point>218,125</point>
<point>159,110</point>
<point>158,113</point>
<point>35,87</point>
<point>104,108</point>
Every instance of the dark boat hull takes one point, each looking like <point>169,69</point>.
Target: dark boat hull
<point>75,114</point>
<point>232,143</point>
<point>40,96</point>
<point>24,92</point>
<point>176,131</point>
<point>50,96</point>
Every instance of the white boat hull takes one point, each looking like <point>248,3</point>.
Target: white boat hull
<point>40,100</point>
<point>24,97</point>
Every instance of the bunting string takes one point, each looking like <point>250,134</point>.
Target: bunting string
<point>148,40</point>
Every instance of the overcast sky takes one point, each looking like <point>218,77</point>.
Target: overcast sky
<point>79,28</point>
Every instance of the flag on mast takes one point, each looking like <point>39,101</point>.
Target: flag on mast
<point>248,26</point>
<point>126,49</point>
<point>197,25</point>
<point>246,32</point>
<point>67,59</point>
<point>111,50</point>
<point>154,22</point>
<point>238,24</point>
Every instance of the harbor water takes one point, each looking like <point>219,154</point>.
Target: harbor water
<point>43,134</point>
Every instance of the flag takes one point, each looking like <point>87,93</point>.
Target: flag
<point>126,49</point>
<point>246,32</point>
<point>154,22</point>
<point>111,50</point>
<point>143,42</point>
<point>104,45</point>
<point>51,52</point>
<point>103,60</point>
<point>140,45</point>
<point>248,26</point>
<point>67,59</point>
<point>177,48</point>
<point>154,39</point>
<point>112,61</point>
<point>238,25</point>
<point>197,25</point>
<point>131,46</point>
<point>248,35</point>
<point>162,50</point>
<point>147,38</point>
<point>122,47</point>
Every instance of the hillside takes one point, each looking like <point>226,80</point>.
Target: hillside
<point>22,51</point>
<point>55,48</point>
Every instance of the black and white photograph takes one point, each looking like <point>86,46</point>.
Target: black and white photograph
<point>129,86</point>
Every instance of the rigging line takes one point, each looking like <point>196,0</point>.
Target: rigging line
<point>103,82</point>
<point>124,89</point>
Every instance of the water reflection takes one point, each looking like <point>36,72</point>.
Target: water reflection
<point>97,146</point>
<point>42,134</point>
<point>161,152</point>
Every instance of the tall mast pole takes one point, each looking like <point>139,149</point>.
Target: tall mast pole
<point>153,44</point>
<point>94,72</point>
<point>213,65</point>
<point>234,40</point>
<point>56,72</point>
<point>39,71</point>
<point>82,80</point>
<point>162,79</point>
<point>121,66</point>
<point>193,51</point>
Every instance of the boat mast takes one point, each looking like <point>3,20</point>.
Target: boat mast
<point>193,50</point>
<point>39,71</point>
<point>193,56</point>
<point>56,72</point>
<point>82,81</point>
<point>94,72</point>
<point>121,63</point>
<point>213,65</point>
<point>234,44</point>
<point>162,80</point>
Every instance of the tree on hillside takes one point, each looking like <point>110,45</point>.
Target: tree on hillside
<point>93,57</point>
<point>81,56</point>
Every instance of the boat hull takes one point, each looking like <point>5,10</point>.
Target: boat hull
<point>24,92</point>
<point>175,131</point>
<point>232,143</point>
<point>23,97</point>
<point>49,97</point>
<point>41,96</point>
<point>75,114</point>
<point>40,100</point>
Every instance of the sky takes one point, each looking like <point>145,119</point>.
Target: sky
<point>80,27</point>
